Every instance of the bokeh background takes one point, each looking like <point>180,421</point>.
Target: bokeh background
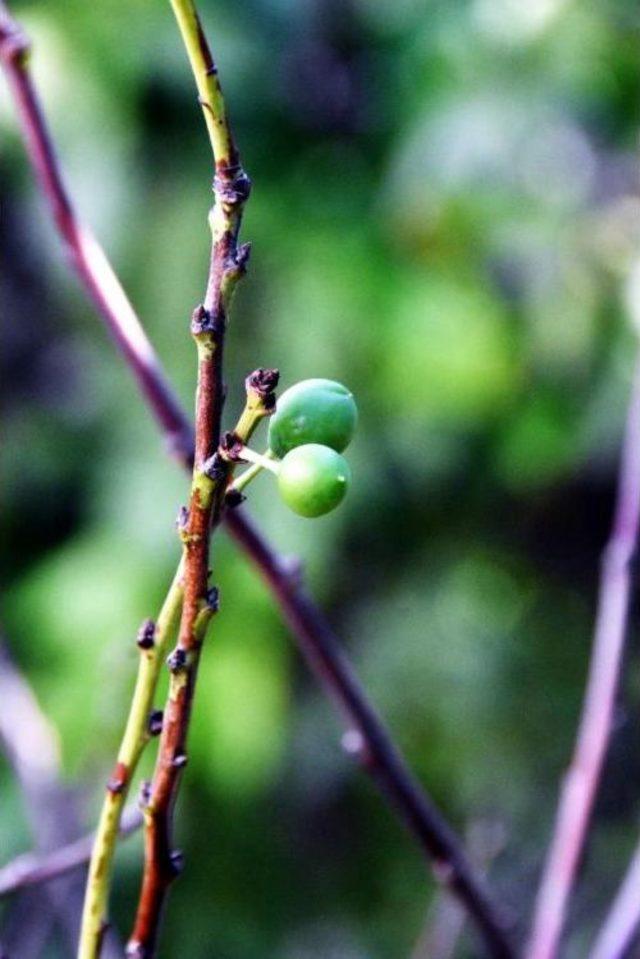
<point>445,215</point>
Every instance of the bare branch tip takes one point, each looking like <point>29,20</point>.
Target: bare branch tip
<point>118,779</point>
<point>136,950</point>
<point>15,45</point>
<point>263,382</point>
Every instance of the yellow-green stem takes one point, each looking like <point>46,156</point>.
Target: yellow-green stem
<point>136,735</point>
<point>241,482</point>
<point>206,77</point>
<point>259,461</point>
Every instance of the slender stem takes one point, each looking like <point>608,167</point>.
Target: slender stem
<point>258,464</point>
<point>210,476</point>
<point>31,869</point>
<point>369,740</point>
<point>259,461</point>
<point>446,917</point>
<point>583,776</point>
<point>205,74</point>
<point>241,482</point>
<point>153,642</point>
<point>309,627</point>
<point>31,746</point>
<point>209,484</point>
<point>622,921</point>
<point>84,252</point>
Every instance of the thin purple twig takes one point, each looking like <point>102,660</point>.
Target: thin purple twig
<point>32,869</point>
<point>30,744</point>
<point>623,919</point>
<point>84,252</point>
<point>583,776</point>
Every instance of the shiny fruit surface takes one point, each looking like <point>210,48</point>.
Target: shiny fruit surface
<point>313,479</point>
<point>313,411</point>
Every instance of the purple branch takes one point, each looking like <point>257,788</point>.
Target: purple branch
<point>32,869</point>
<point>369,740</point>
<point>84,252</point>
<point>30,744</point>
<point>583,776</point>
<point>622,921</point>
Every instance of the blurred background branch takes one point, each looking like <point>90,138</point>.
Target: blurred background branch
<point>582,779</point>
<point>32,869</point>
<point>31,745</point>
<point>621,923</point>
<point>440,938</point>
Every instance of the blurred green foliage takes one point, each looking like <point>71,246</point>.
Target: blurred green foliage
<point>444,212</point>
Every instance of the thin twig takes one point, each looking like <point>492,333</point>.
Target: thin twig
<point>210,474</point>
<point>310,629</point>
<point>621,923</point>
<point>369,741</point>
<point>153,643</point>
<point>162,862</point>
<point>31,745</point>
<point>84,252</point>
<point>583,776</point>
<point>32,869</point>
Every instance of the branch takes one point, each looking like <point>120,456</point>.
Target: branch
<point>153,643</point>
<point>84,252</point>
<point>205,74</point>
<point>621,923</point>
<point>623,919</point>
<point>583,776</point>
<point>211,470</point>
<point>369,740</point>
<point>32,869</point>
<point>30,743</point>
<point>310,629</point>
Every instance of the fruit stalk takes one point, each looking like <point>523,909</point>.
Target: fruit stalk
<point>582,779</point>
<point>210,481</point>
<point>84,253</point>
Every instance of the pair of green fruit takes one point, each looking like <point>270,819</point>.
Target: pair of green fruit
<point>313,423</point>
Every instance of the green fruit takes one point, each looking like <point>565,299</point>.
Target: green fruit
<point>313,479</point>
<point>313,411</point>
